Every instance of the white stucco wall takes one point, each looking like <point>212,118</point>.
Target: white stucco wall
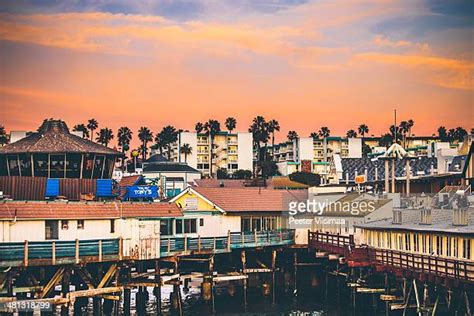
<point>306,151</point>
<point>245,151</point>
<point>214,225</point>
<point>191,139</point>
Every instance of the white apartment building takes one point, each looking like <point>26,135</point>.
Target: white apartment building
<point>231,151</point>
<point>314,155</point>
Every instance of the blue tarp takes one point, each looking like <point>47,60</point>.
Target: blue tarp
<point>52,188</point>
<point>104,188</point>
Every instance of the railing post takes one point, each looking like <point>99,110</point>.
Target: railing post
<point>255,236</point>
<point>53,250</point>
<point>169,244</point>
<point>214,245</point>
<point>243,239</point>
<point>228,240</point>
<point>77,251</point>
<point>199,243</point>
<point>185,243</point>
<point>120,248</point>
<point>100,250</point>
<point>281,236</point>
<point>25,254</point>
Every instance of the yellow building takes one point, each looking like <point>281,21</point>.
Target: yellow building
<point>428,232</point>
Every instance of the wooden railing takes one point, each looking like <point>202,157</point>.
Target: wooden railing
<point>443,267</point>
<point>333,243</point>
<point>250,239</point>
<point>59,252</point>
<point>96,250</point>
<point>450,268</point>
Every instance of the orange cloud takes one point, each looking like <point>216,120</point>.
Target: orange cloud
<point>444,72</point>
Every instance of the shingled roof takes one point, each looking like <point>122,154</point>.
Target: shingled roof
<point>37,210</point>
<point>420,166</point>
<point>54,137</point>
<point>233,200</point>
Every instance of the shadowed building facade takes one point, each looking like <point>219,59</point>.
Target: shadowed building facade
<point>53,152</point>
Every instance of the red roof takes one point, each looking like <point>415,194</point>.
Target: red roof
<point>129,180</point>
<point>252,199</point>
<point>217,183</point>
<point>85,210</point>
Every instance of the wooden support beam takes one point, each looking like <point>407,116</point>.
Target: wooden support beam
<point>94,292</point>
<point>108,276</point>
<point>52,283</point>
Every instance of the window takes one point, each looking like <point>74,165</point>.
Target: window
<point>466,248</point>
<point>166,227</point>
<point>25,165</point>
<point>257,223</point>
<point>448,246</point>
<point>112,225</point>
<point>64,225</point>
<point>57,166</point>
<point>201,222</point>
<point>179,226</point>
<point>407,242</point>
<point>80,224</point>
<point>439,245</point>
<point>40,162</point>
<point>186,226</point>
<point>13,166</point>
<point>73,165</point>
<point>245,224</point>
<point>98,167</point>
<point>190,226</point>
<point>51,230</point>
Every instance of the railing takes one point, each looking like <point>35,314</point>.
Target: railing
<point>333,243</point>
<point>438,266</point>
<point>54,252</point>
<point>250,239</point>
<point>59,252</point>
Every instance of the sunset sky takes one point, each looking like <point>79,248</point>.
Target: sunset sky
<point>307,64</point>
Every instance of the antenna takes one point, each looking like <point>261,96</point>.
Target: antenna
<point>395,127</point>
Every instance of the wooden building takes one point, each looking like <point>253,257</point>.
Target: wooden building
<point>53,152</point>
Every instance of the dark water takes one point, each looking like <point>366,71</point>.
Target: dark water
<point>307,303</point>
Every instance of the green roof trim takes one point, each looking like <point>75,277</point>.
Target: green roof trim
<point>324,163</point>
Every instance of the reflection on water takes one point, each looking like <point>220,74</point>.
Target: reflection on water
<point>308,302</point>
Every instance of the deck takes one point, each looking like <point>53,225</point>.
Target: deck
<point>56,252</point>
<point>398,262</point>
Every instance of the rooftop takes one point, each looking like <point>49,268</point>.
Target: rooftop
<point>32,210</point>
<point>53,136</point>
<point>442,221</point>
<point>251,199</point>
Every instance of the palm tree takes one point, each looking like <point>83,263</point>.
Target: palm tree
<point>92,125</point>
<point>81,128</point>
<point>363,129</point>
<point>451,134</point>
<point>460,133</point>
<point>3,135</point>
<point>404,128</point>
<point>212,127</point>
<point>104,136</point>
<point>230,123</point>
<point>199,127</point>
<point>410,126</point>
<point>186,149</point>
<point>272,127</point>
<point>145,136</point>
<point>442,134</point>
<point>351,133</point>
<point>314,135</point>
<point>167,137</point>
<point>324,132</point>
<point>124,136</point>
<point>395,130</point>
<point>260,134</point>
<point>292,135</point>
<point>158,143</point>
